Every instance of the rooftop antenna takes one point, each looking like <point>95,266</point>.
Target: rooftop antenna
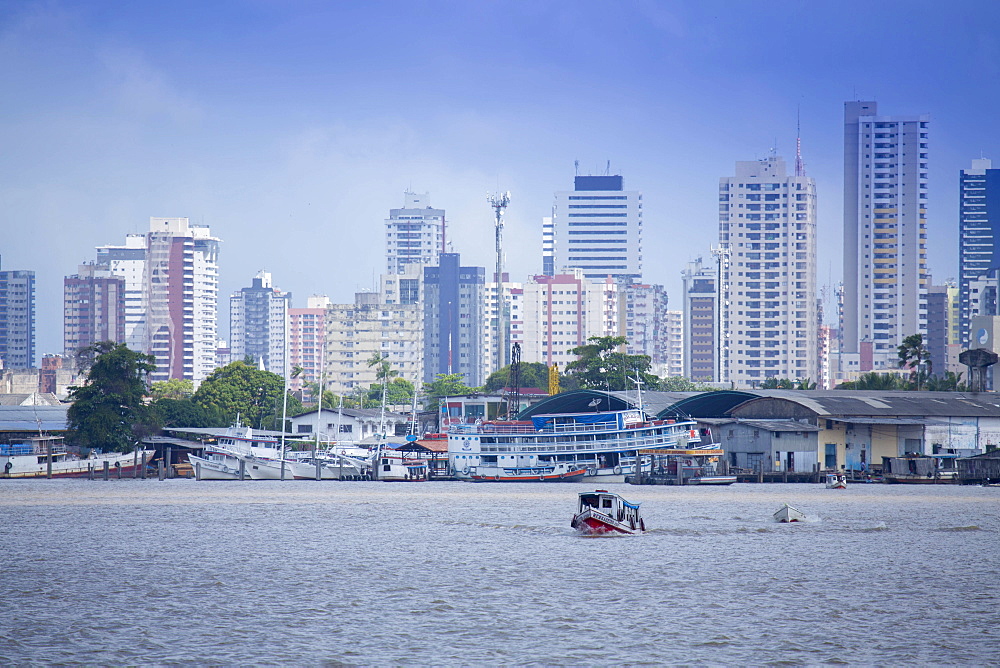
<point>607,169</point>
<point>576,168</point>
<point>800,168</point>
<point>499,202</point>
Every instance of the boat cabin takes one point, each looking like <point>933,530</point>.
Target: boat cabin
<point>610,504</point>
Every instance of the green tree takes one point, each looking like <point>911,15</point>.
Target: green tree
<point>533,374</point>
<point>244,390</point>
<point>682,384</point>
<point>175,388</point>
<point>599,366</point>
<point>186,413</point>
<point>915,356</point>
<point>950,382</point>
<point>400,391</point>
<point>875,381</point>
<point>108,411</point>
<point>445,385</point>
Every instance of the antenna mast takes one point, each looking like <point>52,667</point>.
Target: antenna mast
<point>499,203</point>
<point>800,168</point>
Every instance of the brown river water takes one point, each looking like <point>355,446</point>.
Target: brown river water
<point>368,573</point>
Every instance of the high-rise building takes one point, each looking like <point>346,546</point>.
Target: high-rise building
<point>559,313</point>
<point>454,320</point>
<point>129,262</point>
<point>701,322</point>
<point>181,295</point>
<point>258,324</point>
<point>93,308</point>
<point>372,326</point>
<point>644,316</point>
<point>512,297</point>
<point>767,223</point>
<point>885,231</point>
<point>675,346</point>
<point>943,354</point>
<point>413,234</point>
<point>979,231</point>
<point>597,227</point>
<point>306,332</point>
<point>17,319</point>
<point>548,246</point>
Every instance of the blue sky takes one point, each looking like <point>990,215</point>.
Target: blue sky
<point>291,128</point>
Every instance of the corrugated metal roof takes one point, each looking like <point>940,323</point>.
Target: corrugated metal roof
<point>769,425</point>
<point>33,418</point>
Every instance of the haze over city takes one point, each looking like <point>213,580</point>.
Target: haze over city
<point>292,128</point>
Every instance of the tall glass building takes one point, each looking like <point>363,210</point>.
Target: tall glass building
<point>979,233</point>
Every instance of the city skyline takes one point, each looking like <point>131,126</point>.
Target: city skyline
<point>291,145</point>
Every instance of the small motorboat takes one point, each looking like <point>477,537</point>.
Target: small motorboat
<point>788,514</point>
<point>836,481</point>
<point>603,512</point>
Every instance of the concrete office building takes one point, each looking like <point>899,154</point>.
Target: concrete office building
<point>93,308</point>
<point>258,325</point>
<point>128,261</point>
<point>885,232</point>
<point>767,221</point>
<point>597,227</point>
<point>979,232</point>
<point>17,319</point>
<point>701,330</point>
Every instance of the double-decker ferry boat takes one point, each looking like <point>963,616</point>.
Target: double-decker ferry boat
<point>604,443</point>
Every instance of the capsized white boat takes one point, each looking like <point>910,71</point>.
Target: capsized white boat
<point>788,514</point>
<point>603,512</point>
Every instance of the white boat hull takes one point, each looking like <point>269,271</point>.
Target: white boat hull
<point>68,466</point>
<point>787,514</point>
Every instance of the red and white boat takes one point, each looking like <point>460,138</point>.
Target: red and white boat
<point>603,512</point>
<point>35,457</point>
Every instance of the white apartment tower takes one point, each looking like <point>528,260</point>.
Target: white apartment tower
<point>597,227</point>
<point>413,234</point>
<point>885,232</point>
<point>129,262</point>
<point>767,222</point>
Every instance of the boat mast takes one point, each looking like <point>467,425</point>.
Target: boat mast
<point>638,389</point>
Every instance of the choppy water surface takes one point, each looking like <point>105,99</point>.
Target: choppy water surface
<point>141,572</point>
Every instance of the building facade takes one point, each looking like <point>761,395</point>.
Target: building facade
<point>414,234</point>
<point>701,329</point>
<point>306,329</point>
<point>885,230</point>
<point>767,222</point>
<point>258,324</point>
<point>597,227</point>
<point>128,261</point>
<point>644,317</point>
<point>181,290</point>
<point>979,232</point>
<point>93,308</point>
<point>17,319</point>
<point>559,313</point>
<point>674,365</point>
<point>454,320</point>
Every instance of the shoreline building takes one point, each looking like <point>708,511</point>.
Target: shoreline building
<point>597,227</point>
<point>767,222</point>
<point>181,294</point>
<point>644,320</point>
<point>979,232</point>
<point>454,318</point>
<point>414,234</point>
<point>258,324</point>
<point>17,319</point>
<point>885,234</point>
<point>93,308</point>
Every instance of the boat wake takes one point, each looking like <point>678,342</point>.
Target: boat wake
<point>972,527</point>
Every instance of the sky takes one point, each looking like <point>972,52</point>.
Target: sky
<point>291,127</point>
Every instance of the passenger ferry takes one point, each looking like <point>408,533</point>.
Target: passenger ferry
<point>604,443</point>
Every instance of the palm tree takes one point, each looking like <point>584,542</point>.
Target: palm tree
<point>914,355</point>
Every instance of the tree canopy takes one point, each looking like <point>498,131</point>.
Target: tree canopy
<point>175,388</point>
<point>244,390</point>
<point>533,374</point>
<point>915,356</point>
<point>399,391</point>
<point>108,410</point>
<point>599,366</point>
<point>445,385</point>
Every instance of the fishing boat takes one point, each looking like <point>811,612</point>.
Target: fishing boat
<point>558,472</point>
<point>603,512</point>
<point>33,457</point>
<point>395,466</point>
<point>788,514</point>
<point>836,481</point>
<point>259,455</point>
<point>604,443</point>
